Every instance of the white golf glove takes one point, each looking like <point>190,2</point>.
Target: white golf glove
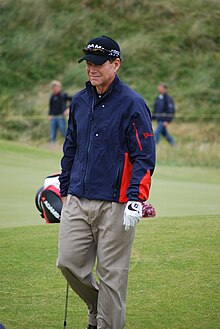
<point>132,214</point>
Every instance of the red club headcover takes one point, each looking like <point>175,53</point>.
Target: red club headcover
<point>148,210</point>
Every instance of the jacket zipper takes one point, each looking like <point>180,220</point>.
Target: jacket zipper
<point>89,143</point>
<point>89,134</point>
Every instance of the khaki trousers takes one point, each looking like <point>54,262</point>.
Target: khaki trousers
<point>91,229</point>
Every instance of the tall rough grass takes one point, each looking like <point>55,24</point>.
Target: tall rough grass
<point>175,41</point>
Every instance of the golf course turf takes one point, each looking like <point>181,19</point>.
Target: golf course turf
<point>174,273</point>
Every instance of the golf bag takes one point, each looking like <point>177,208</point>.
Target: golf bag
<point>48,200</point>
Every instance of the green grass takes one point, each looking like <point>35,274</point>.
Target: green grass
<point>175,41</point>
<point>180,191</point>
<point>176,191</point>
<point>22,171</point>
<point>174,273</point>
<point>173,282</point>
<point>198,145</point>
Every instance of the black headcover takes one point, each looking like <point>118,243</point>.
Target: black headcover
<point>52,205</point>
<point>38,201</point>
<point>48,199</point>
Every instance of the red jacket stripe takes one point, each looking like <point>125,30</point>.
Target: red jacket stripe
<point>126,178</point>
<point>144,187</point>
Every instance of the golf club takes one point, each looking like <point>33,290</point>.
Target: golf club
<point>66,305</point>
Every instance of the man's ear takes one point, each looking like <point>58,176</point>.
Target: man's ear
<point>117,64</point>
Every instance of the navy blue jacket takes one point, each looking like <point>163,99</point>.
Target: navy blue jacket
<point>163,108</point>
<point>58,103</point>
<point>109,151</point>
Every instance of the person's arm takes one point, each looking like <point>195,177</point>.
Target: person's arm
<point>49,111</point>
<point>67,98</point>
<point>154,114</point>
<point>141,147</point>
<point>69,151</point>
<point>66,112</point>
<point>170,109</point>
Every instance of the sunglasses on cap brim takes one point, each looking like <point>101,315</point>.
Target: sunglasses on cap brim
<point>101,52</point>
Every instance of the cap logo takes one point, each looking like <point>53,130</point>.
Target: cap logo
<point>112,52</point>
<point>91,46</point>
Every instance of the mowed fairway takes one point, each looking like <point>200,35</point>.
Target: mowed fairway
<point>174,276</point>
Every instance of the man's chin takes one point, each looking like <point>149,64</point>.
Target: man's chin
<point>95,83</point>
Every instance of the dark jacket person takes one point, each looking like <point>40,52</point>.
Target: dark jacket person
<point>58,109</point>
<point>163,113</point>
<point>108,161</point>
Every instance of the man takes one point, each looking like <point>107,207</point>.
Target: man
<point>163,113</point>
<point>109,157</point>
<point>58,109</point>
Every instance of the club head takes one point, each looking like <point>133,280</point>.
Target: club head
<point>148,210</point>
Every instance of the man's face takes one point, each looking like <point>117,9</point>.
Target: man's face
<point>161,89</point>
<point>101,75</point>
<point>56,89</point>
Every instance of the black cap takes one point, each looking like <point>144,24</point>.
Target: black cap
<point>101,49</point>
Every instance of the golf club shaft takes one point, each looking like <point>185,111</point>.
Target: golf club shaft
<point>66,305</point>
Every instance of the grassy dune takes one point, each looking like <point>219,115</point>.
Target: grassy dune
<point>175,41</point>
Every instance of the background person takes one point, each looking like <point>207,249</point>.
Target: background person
<point>163,113</point>
<point>58,109</point>
<point>109,157</point>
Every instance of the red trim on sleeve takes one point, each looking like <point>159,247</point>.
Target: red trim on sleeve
<point>137,137</point>
<point>144,187</point>
<point>146,135</point>
<point>126,178</point>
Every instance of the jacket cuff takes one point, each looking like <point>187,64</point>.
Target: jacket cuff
<point>132,197</point>
<point>63,193</point>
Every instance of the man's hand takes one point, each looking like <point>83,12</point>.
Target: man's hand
<point>66,112</point>
<point>132,214</point>
<point>63,199</point>
<point>49,117</point>
<point>165,123</point>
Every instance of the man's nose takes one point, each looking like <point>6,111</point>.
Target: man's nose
<point>93,69</point>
